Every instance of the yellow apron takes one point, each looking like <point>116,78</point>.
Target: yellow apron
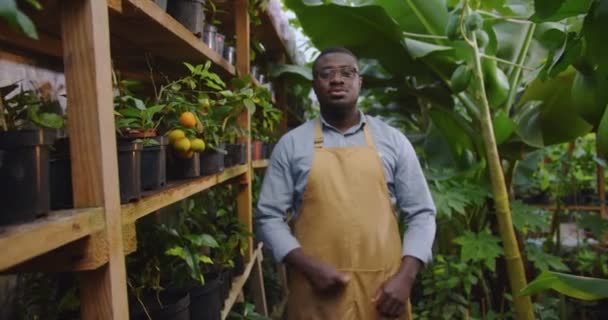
<point>347,221</point>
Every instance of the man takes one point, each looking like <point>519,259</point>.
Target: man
<point>342,175</point>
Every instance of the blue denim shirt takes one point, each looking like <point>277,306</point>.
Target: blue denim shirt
<point>287,174</point>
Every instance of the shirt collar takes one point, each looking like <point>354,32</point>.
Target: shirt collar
<point>352,130</point>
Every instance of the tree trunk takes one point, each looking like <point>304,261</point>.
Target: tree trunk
<point>515,267</point>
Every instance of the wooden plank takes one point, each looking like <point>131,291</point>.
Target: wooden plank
<point>88,253</point>
<point>258,290</point>
<point>244,197</point>
<point>22,242</point>
<point>239,282</point>
<point>259,164</point>
<point>173,193</point>
<point>86,51</point>
<point>151,29</point>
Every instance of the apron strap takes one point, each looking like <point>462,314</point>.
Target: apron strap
<point>319,135</point>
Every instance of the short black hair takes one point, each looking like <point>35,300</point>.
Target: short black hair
<point>331,50</point>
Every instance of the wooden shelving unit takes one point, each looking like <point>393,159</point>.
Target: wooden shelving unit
<point>87,38</point>
<point>259,164</point>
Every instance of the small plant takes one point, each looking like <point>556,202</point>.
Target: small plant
<point>248,313</point>
<point>26,109</point>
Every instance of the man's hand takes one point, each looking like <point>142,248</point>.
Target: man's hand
<point>391,297</point>
<point>323,277</point>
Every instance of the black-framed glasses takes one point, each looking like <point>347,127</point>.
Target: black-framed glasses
<point>344,72</point>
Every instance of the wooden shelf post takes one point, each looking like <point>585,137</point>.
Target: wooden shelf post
<point>245,198</point>
<point>86,52</point>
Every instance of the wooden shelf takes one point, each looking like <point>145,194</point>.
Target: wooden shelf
<point>147,27</point>
<point>239,282</point>
<point>259,164</point>
<point>22,242</point>
<point>177,191</point>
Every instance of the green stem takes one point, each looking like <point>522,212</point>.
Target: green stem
<point>515,268</point>
<point>423,36</point>
<point>516,75</point>
<point>519,66</point>
<point>514,19</point>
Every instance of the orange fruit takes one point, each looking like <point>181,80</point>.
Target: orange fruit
<point>182,145</point>
<point>187,119</point>
<point>197,145</point>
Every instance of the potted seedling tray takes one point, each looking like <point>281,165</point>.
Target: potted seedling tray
<point>129,170</point>
<point>24,174</point>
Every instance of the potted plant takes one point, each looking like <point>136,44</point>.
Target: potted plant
<point>27,122</point>
<point>190,13</point>
<point>138,121</point>
<point>264,124</point>
<point>150,282</point>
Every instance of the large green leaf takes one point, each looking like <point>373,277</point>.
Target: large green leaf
<point>480,247</point>
<point>454,128</point>
<point>583,288</point>
<point>419,49</point>
<point>289,70</point>
<point>503,127</point>
<point>418,16</point>
<point>594,32</point>
<point>16,18</point>
<point>367,30</point>
<point>555,10</point>
<point>547,113</point>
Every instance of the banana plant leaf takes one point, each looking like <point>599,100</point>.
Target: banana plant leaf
<point>583,288</point>
<point>555,10</point>
<point>547,113</point>
<point>366,29</point>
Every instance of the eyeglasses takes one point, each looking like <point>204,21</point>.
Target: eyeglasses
<point>345,73</point>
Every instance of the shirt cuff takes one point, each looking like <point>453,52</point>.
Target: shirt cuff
<point>284,247</point>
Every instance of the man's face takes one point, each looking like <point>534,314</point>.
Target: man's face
<point>336,81</point>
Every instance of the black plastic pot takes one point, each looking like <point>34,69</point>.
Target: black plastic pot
<point>24,174</point>
<point>265,151</point>
<point>183,168</point>
<point>236,155</point>
<point>239,265</point>
<point>129,170</point>
<point>206,301</point>
<point>212,161</point>
<point>226,283</point>
<point>189,13</point>
<point>154,165</point>
<point>61,175</point>
<point>176,306</point>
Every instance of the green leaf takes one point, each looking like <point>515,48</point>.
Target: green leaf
<point>419,49</point>
<point>544,261</point>
<point>555,10</point>
<point>205,259</point>
<point>176,251</point>
<point>418,16</point>
<point>595,223</point>
<point>503,127</point>
<point>284,70</point>
<point>479,247</point>
<point>202,240</point>
<point>365,29</point>
<point>594,33</point>
<point>527,218</point>
<point>583,288</point>
<point>542,123</point>
<point>50,120</point>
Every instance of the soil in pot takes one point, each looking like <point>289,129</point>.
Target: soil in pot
<point>182,167</point>
<point>154,165</point>
<point>175,306</point>
<point>61,175</point>
<point>206,300</point>
<point>129,170</point>
<point>24,174</point>
<point>256,150</point>
<point>212,161</point>
<point>189,13</point>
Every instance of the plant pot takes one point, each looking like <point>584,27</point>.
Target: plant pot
<point>256,150</point>
<point>137,134</point>
<point>184,168</point>
<point>129,170</point>
<point>24,174</point>
<point>206,300</point>
<point>236,155</point>
<point>239,264</point>
<point>154,165</point>
<point>61,175</point>
<point>226,283</point>
<point>265,151</point>
<point>189,13</point>
<point>212,161</point>
<point>176,306</point>
<point>162,4</point>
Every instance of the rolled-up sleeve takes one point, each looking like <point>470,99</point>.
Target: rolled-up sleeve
<point>415,203</point>
<point>275,200</point>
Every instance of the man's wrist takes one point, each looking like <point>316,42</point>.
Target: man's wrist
<point>410,266</point>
